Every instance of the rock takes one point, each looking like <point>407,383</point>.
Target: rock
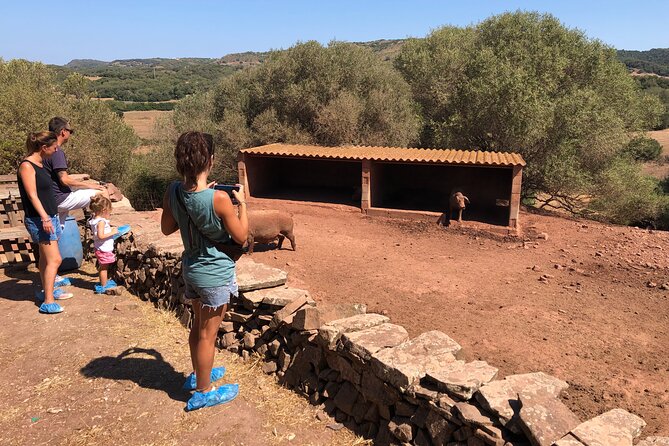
<point>274,346</point>
<point>542,236</point>
<point>330,333</point>
<point>277,297</point>
<point>664,286</point>
<point>401,429</point>
<point>545,419</point>
<point>346,398</point>
<point>126,305</point>
<point>616,427</point>
<point>472,415</point>
<point>269,367</point>
<point>568,440</point>
<point>238,316</point>
<point>438,428</point>
<point>654,441</point>
<point>404,409</point>
<point>651,284</point>
<point>249,341</point>
<point>365,343</point>
<point>461,379</point>
<point>404,365</point>
<point>286,314</point>
<point>226,327</point>
<point>335,426</point>
<point>501,397</point>
<point>322,416</point>
<point>116,291</point>
<point>307,318</point>
<point>254,276</point>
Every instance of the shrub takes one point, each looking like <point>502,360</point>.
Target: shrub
<point>643,148</point>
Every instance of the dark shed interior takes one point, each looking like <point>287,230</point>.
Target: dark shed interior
<point>307,179</point>
<point>427,187</point>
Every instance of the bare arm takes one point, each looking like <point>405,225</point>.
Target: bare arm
<point>101,231</point>
<point>67,180</point>
<point>27,173</point>
<point>168,224</point>
<point>237,227</point>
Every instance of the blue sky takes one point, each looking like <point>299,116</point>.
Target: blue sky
<point>123,29</point>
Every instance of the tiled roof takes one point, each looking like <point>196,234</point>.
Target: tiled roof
<point>398,154</point>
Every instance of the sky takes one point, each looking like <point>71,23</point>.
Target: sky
<point>123,29</point>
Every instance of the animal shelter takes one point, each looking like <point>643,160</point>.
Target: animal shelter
<point>390,181</point>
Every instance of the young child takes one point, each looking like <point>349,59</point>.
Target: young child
<point>103,239</point>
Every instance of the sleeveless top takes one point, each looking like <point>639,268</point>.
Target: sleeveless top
<point>203,265</point>
<point>44,192</point>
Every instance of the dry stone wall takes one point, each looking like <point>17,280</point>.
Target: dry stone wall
<point>366,373</point>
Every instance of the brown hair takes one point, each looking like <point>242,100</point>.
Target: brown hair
<point>36,140</point>
<point>99,204</point>
<point>193,154</point>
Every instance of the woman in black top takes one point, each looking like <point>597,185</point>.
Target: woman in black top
<point>41,211</point>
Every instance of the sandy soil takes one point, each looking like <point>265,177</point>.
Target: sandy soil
<point>96,375</point>
<point>144,121</point>
<point>599,319</point>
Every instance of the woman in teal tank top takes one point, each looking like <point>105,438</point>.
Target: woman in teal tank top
<point>205,217</point>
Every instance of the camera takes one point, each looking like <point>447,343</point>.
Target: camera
<point>228,188</point>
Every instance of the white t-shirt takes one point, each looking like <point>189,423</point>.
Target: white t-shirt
<point>103,245</point>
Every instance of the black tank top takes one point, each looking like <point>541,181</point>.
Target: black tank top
<point>44,192</point>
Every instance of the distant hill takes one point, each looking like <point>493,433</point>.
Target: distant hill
<point>76,64</point>
<point>655,61</point>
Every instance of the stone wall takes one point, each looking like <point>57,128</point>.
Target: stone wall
<point>365,372</point>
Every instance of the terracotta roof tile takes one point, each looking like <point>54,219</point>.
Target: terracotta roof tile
<point>398,154</point>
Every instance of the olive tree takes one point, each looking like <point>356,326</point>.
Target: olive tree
<point>523,82</point>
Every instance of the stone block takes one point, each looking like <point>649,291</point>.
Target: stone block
<point>307,318</point>
<point>404,365</point>
<point>330,333</point>
<point>286,314</point>
<point>334,311</point>
<point>344,367</point>
<point>365,343</point>
<point>269,367</point>
<point>405,409</point>
<point>461,379</point>
<point>616,427</point>
<point>346,398</point>
<point>249,341</point>
<point>500,397</point>
<point>276,297</point>
<point>545,419</point>
<point>568,440</point>
<point>227,327</point>
<point>377,391</point>
<point>473,415</point>
<point>253,276</point>
<point>401,429</point>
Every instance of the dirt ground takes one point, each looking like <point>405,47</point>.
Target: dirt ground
<point>599,318</point>
<point>107,373</point>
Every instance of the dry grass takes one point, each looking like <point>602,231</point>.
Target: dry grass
<point>144,121</point>
<point>659,169</point>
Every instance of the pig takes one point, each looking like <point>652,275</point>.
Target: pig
<point>268,226</point>
<point>457,201</point>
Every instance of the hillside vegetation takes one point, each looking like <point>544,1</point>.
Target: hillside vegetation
<point>519,82</point>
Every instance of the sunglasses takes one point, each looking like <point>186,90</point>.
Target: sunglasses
<point>69,130</point>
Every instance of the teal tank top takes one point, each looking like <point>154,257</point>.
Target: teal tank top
<point>203,265</point>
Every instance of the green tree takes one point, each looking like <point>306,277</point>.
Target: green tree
<point>523,82</point>
<point>29,97</point>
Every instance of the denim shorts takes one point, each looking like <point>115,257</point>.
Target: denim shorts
<point>213,297</point>
<point>38,234</point>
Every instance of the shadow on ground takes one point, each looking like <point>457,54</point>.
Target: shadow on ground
<point>150,373</point>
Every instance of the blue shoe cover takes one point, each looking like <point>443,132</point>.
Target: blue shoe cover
<point>51,308</point>
<point>61,282</point>
<point>216,374</point>
<point>122,230</point>
<point>57,294</point>
<point>99,289</point>
<point>220,395</point>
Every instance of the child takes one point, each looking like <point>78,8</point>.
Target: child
<point>103,239</point>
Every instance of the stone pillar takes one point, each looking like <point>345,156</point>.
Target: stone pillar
<point>366,195</point>
<point>243,179</point>
<point>515,196</point>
